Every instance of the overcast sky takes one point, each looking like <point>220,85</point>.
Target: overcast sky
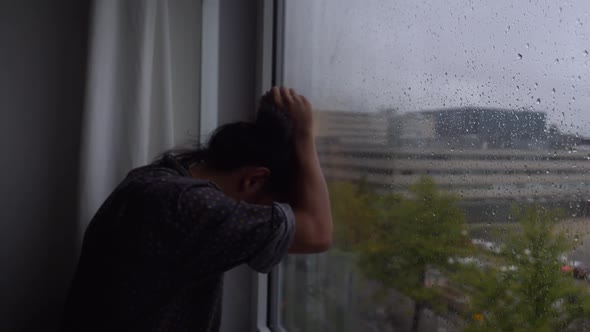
<point>368,55</point>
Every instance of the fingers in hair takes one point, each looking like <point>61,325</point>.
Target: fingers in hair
<point>294,95</point>
<point>305,101</point>
<point>286,94</point>
<point>277,98</point>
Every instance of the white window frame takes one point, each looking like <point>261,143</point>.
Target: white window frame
<point>278,39</point>
<point>270,71</point>
<point>209,66</point>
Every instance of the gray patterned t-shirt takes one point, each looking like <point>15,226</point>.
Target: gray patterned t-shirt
<point>154,255</point>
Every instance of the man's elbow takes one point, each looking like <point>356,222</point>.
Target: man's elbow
<point>321,244</point>
<point>321,238</point>
<point>312,235</point>
<point>312,245</point>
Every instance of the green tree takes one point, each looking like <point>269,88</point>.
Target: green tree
<point>410,236</point>
<point>353,211</point>
<point>525,289</point>
<point>399,239</point>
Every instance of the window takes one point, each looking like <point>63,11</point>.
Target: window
<point>455,139</point>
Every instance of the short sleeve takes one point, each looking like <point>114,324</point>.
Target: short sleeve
<point>225,233</point>
<point>278,242</point>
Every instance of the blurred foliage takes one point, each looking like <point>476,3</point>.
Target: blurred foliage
<point>525,290</point>
<point>402,239</point>
<point>399,238</point>
<point>353,211</point>
<point>410,235</point>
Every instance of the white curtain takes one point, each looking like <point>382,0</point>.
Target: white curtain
<point>142,90</point>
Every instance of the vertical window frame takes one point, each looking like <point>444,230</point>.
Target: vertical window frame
<point>266,290</point>
<point>275,283</point>
<point>208,121</point>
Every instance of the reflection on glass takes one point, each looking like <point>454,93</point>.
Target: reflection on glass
<point>455,139</point>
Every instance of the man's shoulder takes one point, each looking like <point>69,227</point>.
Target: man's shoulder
<point>159,172</point>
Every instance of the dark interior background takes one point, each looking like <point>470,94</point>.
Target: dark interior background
<point>43,48</point>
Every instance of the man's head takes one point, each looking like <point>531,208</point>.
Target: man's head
<point>250,161</point>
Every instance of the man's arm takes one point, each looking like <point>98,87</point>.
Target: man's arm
<point>311,201</point>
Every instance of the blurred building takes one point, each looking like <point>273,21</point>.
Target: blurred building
<point>353,128</point>
<point>471,127</point>
<point>490,158</point>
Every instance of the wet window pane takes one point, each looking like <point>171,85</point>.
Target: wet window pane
<point>455,138</point>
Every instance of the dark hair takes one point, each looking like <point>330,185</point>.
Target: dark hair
<point>266,142</point>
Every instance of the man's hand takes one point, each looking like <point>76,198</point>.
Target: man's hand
<point>297,107</point>
<point>310,202</point>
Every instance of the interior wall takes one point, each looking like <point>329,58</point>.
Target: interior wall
<point>42,75</point>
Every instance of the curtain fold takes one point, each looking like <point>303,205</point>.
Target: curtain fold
<point>141,85</point>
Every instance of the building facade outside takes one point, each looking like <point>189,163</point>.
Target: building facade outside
<point>491,158</point>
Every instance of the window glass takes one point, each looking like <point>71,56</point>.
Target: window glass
<point>455,138</point>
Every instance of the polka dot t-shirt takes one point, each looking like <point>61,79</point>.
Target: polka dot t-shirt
<point>154,255</point>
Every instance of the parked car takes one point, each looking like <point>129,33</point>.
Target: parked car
<point>579,270</point>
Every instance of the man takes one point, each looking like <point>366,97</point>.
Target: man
<point>154,255</point>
